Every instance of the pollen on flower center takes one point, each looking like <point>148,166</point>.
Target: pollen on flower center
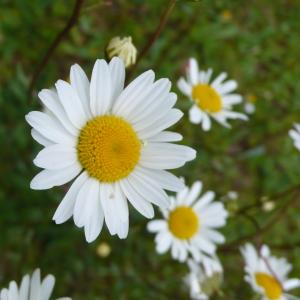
<point>108,148</point>
<point>183,222</point>
<point>207,98</point>
<point>271,286</point>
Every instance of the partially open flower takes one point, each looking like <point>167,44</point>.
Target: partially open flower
<point>123,48</point>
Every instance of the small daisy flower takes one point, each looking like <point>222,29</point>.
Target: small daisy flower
<point>295,135</point>
<point>123,48</point>
<point>213,99</point>
<point>31,288</point>
<point>203,282</point>
<point>189,225</point>
<point>113,141</point>
<point>267,274</point>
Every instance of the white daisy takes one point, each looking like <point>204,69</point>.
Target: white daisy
<point>295,135</point>
<point>189,225</point>
<point>31,288</point>
<point>203,281</point>
<point>114,139</point>
<point>211,99</point>
<point>267,274</point>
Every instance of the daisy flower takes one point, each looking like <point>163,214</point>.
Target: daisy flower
<point>267,274</point>
<point>113,141</point>
<point>189,225</point>
<point>295,135</point>
<point>211,99</point>
<point>203,282</point>
<point>31,288</point>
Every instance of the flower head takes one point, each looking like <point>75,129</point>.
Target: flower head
<point>112,141</point>
<point>267,274</point>
<point>31,288</point>
<point>189,225</point>
<point>123,48</point>
<point>211,99</point>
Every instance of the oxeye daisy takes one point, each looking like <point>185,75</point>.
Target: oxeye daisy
<point>211,98</point>
<point>202,281</point>
<point>267,274</point>
<point>31,288</point>
<point>189,225</point>
<point>295,135</point>
<point>113,141</point>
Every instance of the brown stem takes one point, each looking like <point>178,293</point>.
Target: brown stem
<point>269,225</point>
<point>60,36</point>
<point>154,36</point>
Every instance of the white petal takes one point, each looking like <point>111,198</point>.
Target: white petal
<point>138,202</point>
<point>94,222</point>
<point>47,179</point>
<point>171,118</point>
<point>184,87</point>
<point>56,156</point>
<point>166,136</point>
<point>194,193</point>
<point>155,104</point>
<point>195,115</point>
<point>165,179</point>
<point>24,288</point>
<point>47,287</point>
<point>100,88</point>
<point>35,285</point>
<point>52,102</point>
<point>150,189</point>
<point>81,85</point>
<point>71,103</point>
<point>291,284</point>
<point>206,123</point>
<point>165,155</point>
<point>117,73</point>
<point>85,202</point>
<point>66,207</point>
<point>228,87</point>
<point>156,225</point>
<point>204,200</point>
<point>218,80</point>
<point>132,95</point>
<point>40,138</point>
<point>193,71</point>
<point>49,128</point>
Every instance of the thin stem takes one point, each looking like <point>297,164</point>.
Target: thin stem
<point>58,39</point>
<point>154,36</point>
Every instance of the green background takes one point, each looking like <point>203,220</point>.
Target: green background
<point>256,42</point>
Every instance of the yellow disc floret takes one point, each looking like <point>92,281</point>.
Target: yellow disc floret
<point>271,286</point>
<point>108,148</point>
<point>183,222</point>
<point>207,98</point>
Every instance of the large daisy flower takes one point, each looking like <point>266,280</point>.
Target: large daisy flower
<point>189,225</point>
<point>267,274</point>
<point>211,99</point>
<point>295,135</point>
<point>203,282</point>
<point>114,139</point>
<point>31,288</point>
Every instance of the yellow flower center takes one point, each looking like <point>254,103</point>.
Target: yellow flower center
<point>271,286</point>
<point>108,148</point>
<point>183,222</point>
<point>207,98</point>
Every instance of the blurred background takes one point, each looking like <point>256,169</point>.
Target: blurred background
<point>256,42</point>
